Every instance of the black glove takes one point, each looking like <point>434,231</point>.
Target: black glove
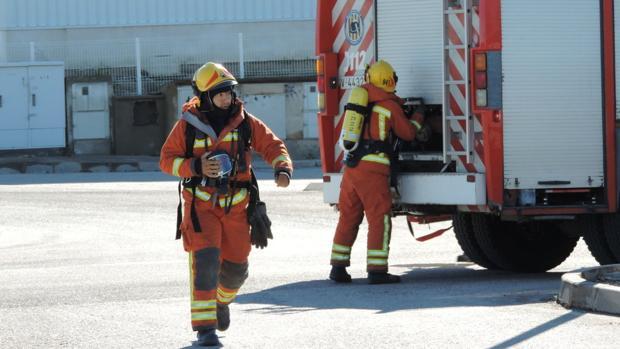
<point>260,225</point>
<point>282,170</point>
<point>424,134</point>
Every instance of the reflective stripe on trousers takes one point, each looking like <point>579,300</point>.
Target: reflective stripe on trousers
<point>380,257</point>
<point>203,311</point>
<point>341,253</point>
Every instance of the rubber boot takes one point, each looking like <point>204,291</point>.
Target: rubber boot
<point>208,338</point>
<point>223,317</point>
<point>382,277</point>
<point>339,274</point>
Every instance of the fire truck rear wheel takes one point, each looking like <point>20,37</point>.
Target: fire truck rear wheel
<point>612,234</point>
<point>534,246</point>
<point>594,232</point>
<point>464,233</point>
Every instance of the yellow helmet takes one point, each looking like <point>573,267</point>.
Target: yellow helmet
<point>212,76</point>
<point>382,75</point>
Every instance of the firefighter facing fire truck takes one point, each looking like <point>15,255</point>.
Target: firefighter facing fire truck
<point>210,148</point>
<point>373,118</point>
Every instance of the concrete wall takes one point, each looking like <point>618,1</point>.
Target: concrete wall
<point>3,47</point>
<point>165,48</point>
<point>172,106</point>
<point>268,103</point>
<point>49,14</point>
<point>95,39</point>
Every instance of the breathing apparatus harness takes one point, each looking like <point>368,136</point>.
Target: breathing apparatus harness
<point>197,129</point>
<point>366,146</point>
<point>369,146</point>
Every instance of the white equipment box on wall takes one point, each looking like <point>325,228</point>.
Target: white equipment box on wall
<point>32,105</point>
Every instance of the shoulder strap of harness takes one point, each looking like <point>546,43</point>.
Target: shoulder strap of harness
<point>195,121</point>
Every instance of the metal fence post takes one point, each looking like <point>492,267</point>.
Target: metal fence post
<point>241,62</point>
<point>138,68</point>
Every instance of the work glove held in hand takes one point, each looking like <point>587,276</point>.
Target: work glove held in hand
<point>260,226</point>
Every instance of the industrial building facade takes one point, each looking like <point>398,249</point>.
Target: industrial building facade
<point>138,48</point>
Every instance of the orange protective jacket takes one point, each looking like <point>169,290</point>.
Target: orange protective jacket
<point>263,141</point>
<point>387,115</point>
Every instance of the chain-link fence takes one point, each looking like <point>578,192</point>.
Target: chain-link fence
<point>165,60</point>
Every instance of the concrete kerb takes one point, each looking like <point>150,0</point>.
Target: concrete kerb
<point>596,289</point>
<point>105,164</point>
<point>260,164</point>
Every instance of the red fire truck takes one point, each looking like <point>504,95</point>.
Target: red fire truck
<point>521,97</point>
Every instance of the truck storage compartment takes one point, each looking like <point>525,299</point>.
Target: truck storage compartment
<point>552,94</point>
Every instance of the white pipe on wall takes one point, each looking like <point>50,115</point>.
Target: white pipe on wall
<point>138,68</point>
<point>241,62</point>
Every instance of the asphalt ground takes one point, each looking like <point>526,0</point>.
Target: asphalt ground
<point>594,289</point>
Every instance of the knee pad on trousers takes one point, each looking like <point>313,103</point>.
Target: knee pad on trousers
<point>207,263</point>
<point>232,275</point>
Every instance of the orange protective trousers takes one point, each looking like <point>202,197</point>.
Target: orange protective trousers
<point>218,258</point>
<point>363,192</point>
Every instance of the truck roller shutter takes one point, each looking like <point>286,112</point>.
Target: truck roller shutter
<point>410,38</point>
<point>552,94</point>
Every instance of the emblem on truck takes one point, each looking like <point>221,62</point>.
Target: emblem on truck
<point>354,27</point>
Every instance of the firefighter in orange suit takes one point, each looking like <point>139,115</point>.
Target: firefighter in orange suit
<point>365,186</point>
<point>216,191</point>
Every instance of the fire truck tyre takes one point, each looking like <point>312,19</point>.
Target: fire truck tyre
<point>611,225</point>
<point>464,233</point>
<point>594,235</point>
<point>531,247</point>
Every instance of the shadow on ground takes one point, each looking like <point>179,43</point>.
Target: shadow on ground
<point>423,286</point>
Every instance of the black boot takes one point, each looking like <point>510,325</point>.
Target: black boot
<point>382,277</point>
<point>208,338</point>
<point>339,274</point>
<point>223,317</point>
<point>463,258</point>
